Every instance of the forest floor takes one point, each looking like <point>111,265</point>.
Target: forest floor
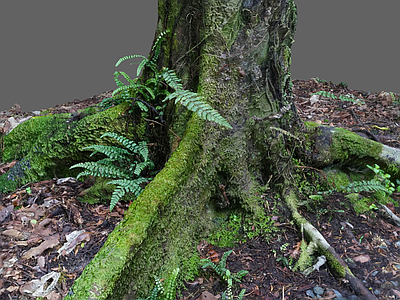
<point>369,243</point>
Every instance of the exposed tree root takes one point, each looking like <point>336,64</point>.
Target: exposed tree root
<point>338,266</point>
<point>395,218</point>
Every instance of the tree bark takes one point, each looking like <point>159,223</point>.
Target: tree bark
<point>236,55</point>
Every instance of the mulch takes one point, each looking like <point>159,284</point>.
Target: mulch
<point>36,220</point>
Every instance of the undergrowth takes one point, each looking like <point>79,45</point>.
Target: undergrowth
<point>162,86</point>
<point>125,166</point>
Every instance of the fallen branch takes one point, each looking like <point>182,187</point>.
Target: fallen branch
<point>395,218</point>
<point>337,264</point>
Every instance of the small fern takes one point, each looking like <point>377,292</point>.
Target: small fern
<point>380,183</point>
<point>155,88</point>
<point>341,97</point>
<point>121,165</point>
<point>225,274</point>
<point>164,291</point>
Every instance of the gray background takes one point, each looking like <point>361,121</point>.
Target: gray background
<point>53,52</point>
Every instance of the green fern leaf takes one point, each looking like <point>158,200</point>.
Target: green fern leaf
<point>171,79</point>
<point>139,148</point>
<point>141,166</point>
<point>99,170</point>
<point>111,151</point>
<point>117,194</point>
<point>127,78</point>
<point>131,186</point>
<point>325,94</point>
<point>193,102</point>
<point>122,59</point>
<point>159,39</point>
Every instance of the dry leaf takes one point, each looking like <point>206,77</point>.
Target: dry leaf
<point>36,251</point>
<point>362,258</point>
<point>207,296</point>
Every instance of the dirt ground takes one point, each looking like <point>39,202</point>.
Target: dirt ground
<point>369,243</point>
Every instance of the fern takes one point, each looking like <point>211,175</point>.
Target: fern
<point>126,174</point>
<point>380,183</point>
<point>99,170</point>
<point>126,186</point>
<point>155,87</point>
<point>191,100</point>
<point>341,97</point>
<point>164,291</point>
<point>225,274</point>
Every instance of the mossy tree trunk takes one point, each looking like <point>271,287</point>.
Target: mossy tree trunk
<point>236,54</point>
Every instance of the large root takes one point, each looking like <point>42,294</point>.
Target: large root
<point>339,267</point>
<point>331,145</point>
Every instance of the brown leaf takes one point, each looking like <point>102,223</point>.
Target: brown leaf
<point>396,292</point>
<point>207,296</point>
<point>36,251</point>
<point>362,258</point>
<point>390,206</point>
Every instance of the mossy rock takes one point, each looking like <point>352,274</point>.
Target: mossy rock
<point>47,146</point>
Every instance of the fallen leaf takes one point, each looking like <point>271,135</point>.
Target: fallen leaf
<point>362,258</point>
<point>207,296</point>
<point>396,292</point>
<point>390,206</point>
<point>36,251</point>
<point>12,233</point>
<point>329,295</point>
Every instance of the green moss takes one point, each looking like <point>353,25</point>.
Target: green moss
<point>336,178</point>
<point>359,203</point>
<point>139,248</point>
<point>100,192</point>
<point>306,259</point>
<point>337,269</point>
<point>346,144</point>
<point>47,146</point>
<point>227,233</point>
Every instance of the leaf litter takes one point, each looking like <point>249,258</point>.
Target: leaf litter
<point>31,236</point>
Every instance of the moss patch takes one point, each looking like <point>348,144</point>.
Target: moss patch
<point>47,146</point>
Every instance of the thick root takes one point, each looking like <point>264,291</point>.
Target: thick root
<point>338,266</point>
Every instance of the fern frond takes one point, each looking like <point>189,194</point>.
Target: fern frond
<point>131,186</point>
<point>194,102</point>
<point>136,87</point>
<point>325,94</point>
<point>141,166</point>
<point>159,285</point>
<point>171,79</point>
<point>141,66</point>
<point>360,186</point>
<point>170,285</point>
<point>240,297</point>
<point>222,262</point>
<point>159,39</point>
<point>99,170</point>
<point>126,186</point>
<point>112,152</point>
<point>140,148</point>
<point>127,78</point>
<point>157,46</point>
<point>117,194</point>
<point>363,185</point>
<point>238,276</point>
<point>122,59</point>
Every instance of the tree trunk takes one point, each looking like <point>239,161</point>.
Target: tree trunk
<point>236,55</point>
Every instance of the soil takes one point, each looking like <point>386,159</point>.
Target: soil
<point>369,243</point>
